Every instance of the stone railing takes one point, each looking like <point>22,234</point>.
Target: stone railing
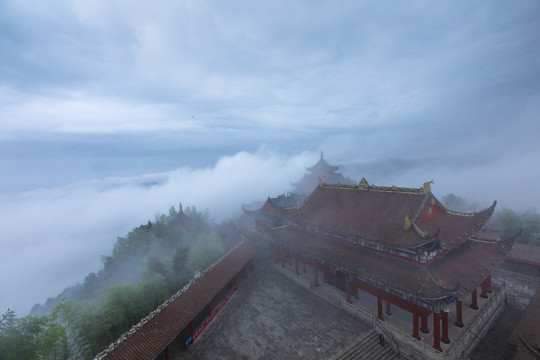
<point>403,343</point>
<point>400,338</point>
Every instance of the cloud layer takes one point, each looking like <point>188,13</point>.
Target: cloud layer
<point>53,238</point>
<point>106,90</point>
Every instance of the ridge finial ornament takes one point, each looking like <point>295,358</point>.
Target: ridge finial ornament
<point>407,225</point>
<point>320,181</point>
<point>180,209</point>
<point>427,186</point>
<point>322,155</point>
<point>447,206</point>
<point>363,185</point>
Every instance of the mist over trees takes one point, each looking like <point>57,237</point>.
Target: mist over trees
<point>511,222</point>
<point>147,266</point>
<point>508,221</point>
<point>457,203</point>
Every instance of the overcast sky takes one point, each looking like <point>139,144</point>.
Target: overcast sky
<point>96,96</point>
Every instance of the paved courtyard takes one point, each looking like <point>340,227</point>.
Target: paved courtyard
<point>271,317</point>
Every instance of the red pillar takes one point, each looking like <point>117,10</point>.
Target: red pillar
<point>474,299</point>
<point>316,283</point>
<point>388,312</point>
<point>282,258</point>
<point>437,331</point>
<point>415,333</point>
<point>484,289</point>
<point>379,305</point>
<point>459,313</point>
<point>489,288</point>
<point>444,337</point>
<point>325,272</point>
<point>167,357</point>
<point>424,325</point>
<point>296,265</point>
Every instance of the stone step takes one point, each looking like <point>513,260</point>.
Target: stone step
<point>368,348</point>
<point>349,353</point>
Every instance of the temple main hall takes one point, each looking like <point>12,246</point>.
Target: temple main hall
<point>399,250</point>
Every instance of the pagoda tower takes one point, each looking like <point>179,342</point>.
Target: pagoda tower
<point>325,172</point>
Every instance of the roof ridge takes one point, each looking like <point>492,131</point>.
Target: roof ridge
<point>164,305</point>
<point>490,208</point>
<point>392,189</point>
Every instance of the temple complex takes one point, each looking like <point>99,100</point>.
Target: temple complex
<point>321,170</point>
<point>397,247</point>
<point>416,272</point>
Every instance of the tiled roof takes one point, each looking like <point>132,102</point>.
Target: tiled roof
<point>149,338</point>
<point>377,215</point>
<point>403,276</point>
<point>529,328</point>
<point>454,228</point>
<point>465,267</point>
<point>526,253</point>
<point>458,271</point>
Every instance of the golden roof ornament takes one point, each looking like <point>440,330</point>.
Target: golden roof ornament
<point>363,185</point>
<point>432,201</point>
<point>320,181</point>
<point>298,205</point>
<point>447,206</point>
<point>427,186</point>
<point>407,225</point>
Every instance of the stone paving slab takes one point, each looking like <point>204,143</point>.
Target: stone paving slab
<point>271,317</point>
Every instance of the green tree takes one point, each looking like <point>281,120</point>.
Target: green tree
<point>457,203</point>
<point>32,337</point>
<point>152,293</point>
<point>510,222</point>
<point>205,251</point>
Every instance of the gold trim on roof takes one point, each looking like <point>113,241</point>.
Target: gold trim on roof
<point>427,186</point>
<point>407,225</point>
<point>363,185</point>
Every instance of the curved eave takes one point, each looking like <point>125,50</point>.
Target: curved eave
<point>407,279</point>
<point>467,266</point>
<point>490,209</point>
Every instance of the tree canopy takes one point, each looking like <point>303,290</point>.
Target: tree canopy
<point>146,267</point>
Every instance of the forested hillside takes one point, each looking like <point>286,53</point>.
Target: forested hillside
<point>146,267</point>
